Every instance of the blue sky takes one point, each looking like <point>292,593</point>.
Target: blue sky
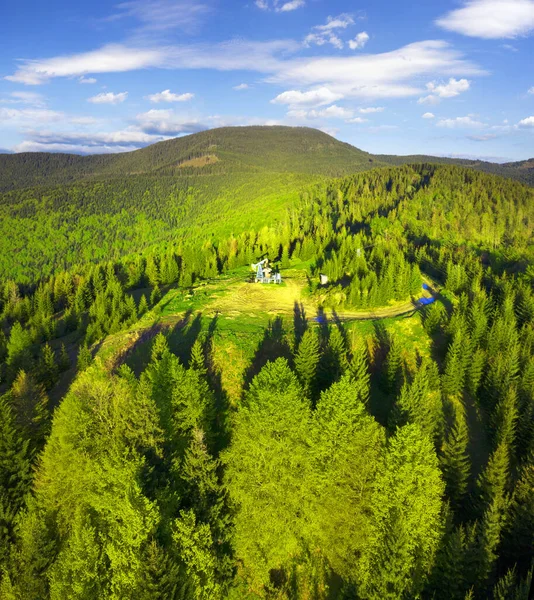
<point>452,78</point>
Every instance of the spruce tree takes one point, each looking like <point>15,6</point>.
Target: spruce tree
<point>47,368</point>
<point>85,358</point>
<point>198,359</point>
<point>143,305</point>
<point>30,405</point>
<point>18,349</point>
<point>64,359</point>
<point>455,460</point>
<point>307,360</point>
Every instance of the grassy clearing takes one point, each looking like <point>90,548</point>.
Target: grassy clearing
<point>245,324</point>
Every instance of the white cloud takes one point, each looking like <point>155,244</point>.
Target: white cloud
<point>164,15</point>
<point>29,98</point>
<point>292,5</point>
<point>87,80</point>
<point>112,58</point>
<point>445,90</point>
<point>460,123</point>
<point>358,120</point>
<point>316,97</point>
<point>325,34</point>
<point>482,138</point>
<point>531,90</point>
<point>342,21</point>
<point>359,41</point>
<point>491,19</point>
<point>168,96</point>
<point>108,98</point>
<point>429,115</point>
<point>241,86</point>
<point>332,112</point>
<point>528,122</point>
<point>279,6</point>
<point>167,122</point>
<point>371,109</point>
<point>392,74</point>
<point>28,116</point>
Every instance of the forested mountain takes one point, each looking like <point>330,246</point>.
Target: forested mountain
<point>170,431</point>
<point>225,150</point>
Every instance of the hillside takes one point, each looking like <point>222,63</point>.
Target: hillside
<point>171,429</point>
<point>237,149</point>
<point>225,150</point>
<point>522,171</point>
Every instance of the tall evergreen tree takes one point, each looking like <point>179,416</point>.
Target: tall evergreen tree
<point>307,360</point>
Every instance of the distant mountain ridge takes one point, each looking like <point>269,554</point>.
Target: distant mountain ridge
<point>252,149</point>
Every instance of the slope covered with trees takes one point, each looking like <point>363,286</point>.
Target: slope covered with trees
<point>349,467</point>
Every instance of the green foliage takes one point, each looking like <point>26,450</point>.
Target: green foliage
<point>85,358</point>
<point>307,360</point>
<point>267,470</point>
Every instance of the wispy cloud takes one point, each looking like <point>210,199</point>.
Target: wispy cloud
<point>108,98</point>
<point>429,115</point>
<point>168,96</point>
<point>331,112</point>
<point>279,5</point>
<point>486,137</point>
<point>316,97</point>
<point>164,15</point>
<point>113,58</point>
<point>371,109</point>
<point>392,74</point>
<point>531,90</point>
<point>328,33</point>
<point>16,117</point>
<point>358,120</point>
<point>359,41</point>
<point>23,97</point>
<point>461,123</point>
<point>444,90</point>
<point>87,80</point>
<point>491,19</point>
<point>241,87</point>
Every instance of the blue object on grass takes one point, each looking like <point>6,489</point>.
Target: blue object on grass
<point>425,286</point>
<point>426,301</point>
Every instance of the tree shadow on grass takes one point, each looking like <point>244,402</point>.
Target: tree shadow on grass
<point>273,345</point>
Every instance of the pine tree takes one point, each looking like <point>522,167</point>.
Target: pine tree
<point>143,305</point>
<point>64,359</point>
<point>18,349</point>
<point>307,360</point>
<point>519,526</point>
<point>160,577</point>
<point>406,516</point>
<point>454,377</point>
<point>455,460</point>
<point>359,369</point>
<point>155,296</point>
<point>15,475</point>
<point>198,359</point>
<point>393,366</point>
<point>47,367</point>
<point>194,545</point>
<point>85,358</point>
<point>30,404</point>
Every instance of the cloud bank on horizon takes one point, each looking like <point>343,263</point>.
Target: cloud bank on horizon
<point>269,62</point>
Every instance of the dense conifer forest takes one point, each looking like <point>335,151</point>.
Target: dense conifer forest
<point>348,461</point>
